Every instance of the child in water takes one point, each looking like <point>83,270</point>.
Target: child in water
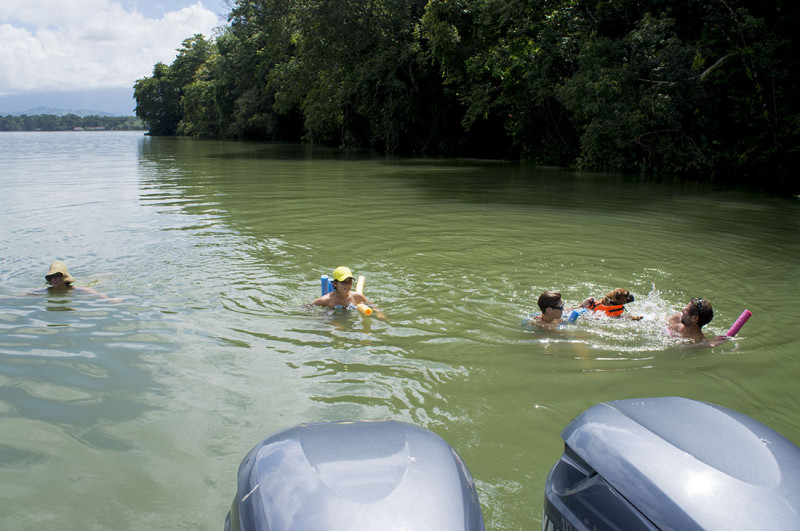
<point>342,296</point>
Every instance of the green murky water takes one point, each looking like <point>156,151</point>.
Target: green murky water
<point>135,415</point>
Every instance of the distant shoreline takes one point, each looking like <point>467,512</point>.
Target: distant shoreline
<point>69,122</point>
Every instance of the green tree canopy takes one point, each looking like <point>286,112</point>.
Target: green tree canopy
<point>680,87</point>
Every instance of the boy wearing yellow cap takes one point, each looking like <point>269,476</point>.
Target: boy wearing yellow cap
<point>342,296</point>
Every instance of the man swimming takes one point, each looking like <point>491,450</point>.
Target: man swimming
<point>689,322</point>
<point>59,280</point>
<point>552,306</point>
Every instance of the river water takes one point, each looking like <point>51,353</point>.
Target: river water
<point>136,414</point>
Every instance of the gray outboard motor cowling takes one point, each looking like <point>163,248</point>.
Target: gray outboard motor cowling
<point>672,463</point>
<point>353,476</point>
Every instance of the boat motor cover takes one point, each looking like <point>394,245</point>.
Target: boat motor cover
<point>354,476</point>
<point>672,463</point>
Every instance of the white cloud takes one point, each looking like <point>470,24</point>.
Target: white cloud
<point>55,45</point>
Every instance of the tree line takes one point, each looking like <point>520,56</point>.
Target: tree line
<point>687,88</point>
<point>69,122</point>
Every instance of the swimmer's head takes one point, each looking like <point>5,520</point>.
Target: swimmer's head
<point>59,268</point>
<point>550,299</point>
<point>341,273</point>
<point>702,309</point>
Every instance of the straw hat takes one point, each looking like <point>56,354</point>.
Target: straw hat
<point>59,267</point>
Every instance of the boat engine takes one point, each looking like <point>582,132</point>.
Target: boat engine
<point>353,476</point>
<point>672,463</point>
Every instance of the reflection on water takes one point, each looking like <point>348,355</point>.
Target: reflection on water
<point>217,247</point>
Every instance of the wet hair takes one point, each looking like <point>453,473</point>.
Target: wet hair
<point>702,308</point>
<point>549,299</point>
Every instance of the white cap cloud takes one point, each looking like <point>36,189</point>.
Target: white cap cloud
<point>55,45</point>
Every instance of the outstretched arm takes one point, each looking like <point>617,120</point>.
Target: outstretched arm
<point>322,301</point>
<point>98,294</point>
<point>24,294</point>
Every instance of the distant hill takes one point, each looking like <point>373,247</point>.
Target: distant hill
<point>36,111</point>
<point>90,102</point>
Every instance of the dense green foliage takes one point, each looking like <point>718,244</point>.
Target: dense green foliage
<point>69,122</point>
<point>666,87</point>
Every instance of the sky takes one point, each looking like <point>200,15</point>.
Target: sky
<point>56,49</point>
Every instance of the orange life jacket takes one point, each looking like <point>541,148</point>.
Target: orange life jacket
<point>614,310</point>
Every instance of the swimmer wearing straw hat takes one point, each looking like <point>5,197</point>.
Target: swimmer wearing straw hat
<point>60,281</point>
<point>343,296</point>
<point>690,321</point>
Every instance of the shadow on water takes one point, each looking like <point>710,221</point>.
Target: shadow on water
<point>449,180</point>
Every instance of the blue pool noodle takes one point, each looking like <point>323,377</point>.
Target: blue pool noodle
<point>326,284</point>
<point>574,314</point>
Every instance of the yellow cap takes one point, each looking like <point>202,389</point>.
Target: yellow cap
<point>342,273</point>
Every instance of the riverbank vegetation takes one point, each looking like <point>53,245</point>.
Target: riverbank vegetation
<point>689,88</point>
<point>70,122</point>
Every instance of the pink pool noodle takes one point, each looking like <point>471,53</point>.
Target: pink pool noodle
<point>739,323</point>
